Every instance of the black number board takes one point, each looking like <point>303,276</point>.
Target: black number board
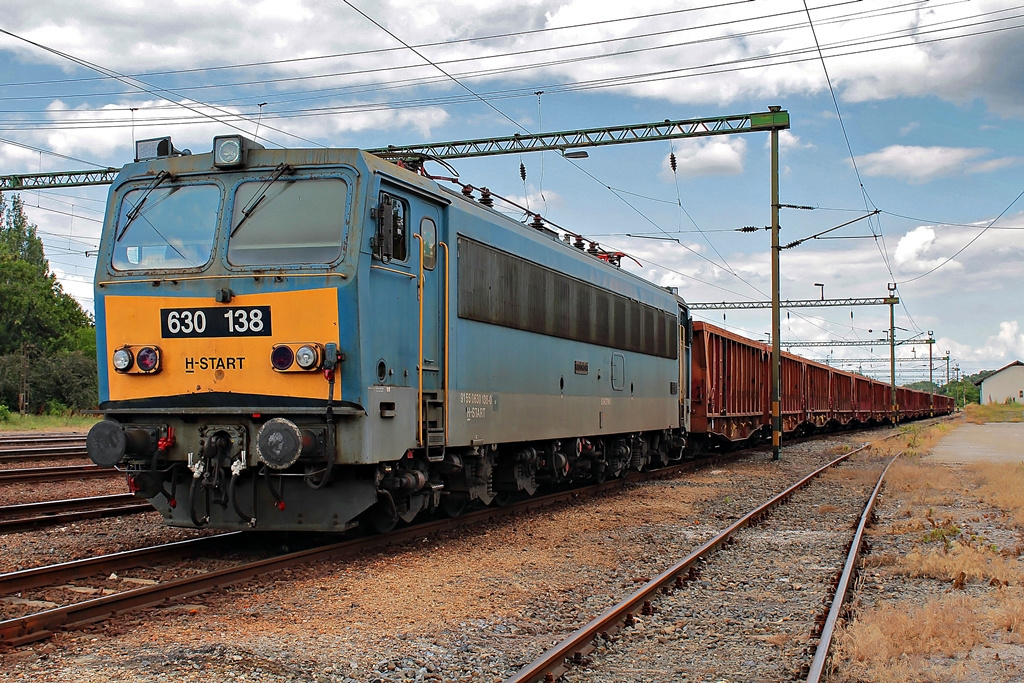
<point>227,321</point>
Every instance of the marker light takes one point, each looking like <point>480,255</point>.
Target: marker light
<point>123,360</point>
<point>307,357</point>
<point>282,357</point>
<point>148,359</point>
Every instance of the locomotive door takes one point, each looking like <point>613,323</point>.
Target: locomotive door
<point>432,275</point>
<point>406,244</point>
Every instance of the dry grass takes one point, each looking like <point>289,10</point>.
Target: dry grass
<point>892,643</point>
<point>994,412</point>
<point>1002,485</point>
<point>974,562</point>
<point>923,485</point>
<point>1008,614</point>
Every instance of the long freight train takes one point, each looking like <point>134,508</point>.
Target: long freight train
<point>314,339</point>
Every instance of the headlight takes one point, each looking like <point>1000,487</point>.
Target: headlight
<point>282,357</point>
<point>123,360</point>
<point>307,357</point>
<point>148,359</point>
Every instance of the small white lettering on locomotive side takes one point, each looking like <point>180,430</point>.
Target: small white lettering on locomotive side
<point>468,398</point>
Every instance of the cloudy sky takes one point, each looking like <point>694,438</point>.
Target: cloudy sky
<point>905,115</point>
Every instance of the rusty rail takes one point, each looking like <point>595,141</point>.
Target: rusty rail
<point>817,668</point>
<point>22,453</point>
<point>49,575</point>
<point>48,513</point>
<point>45,474</point>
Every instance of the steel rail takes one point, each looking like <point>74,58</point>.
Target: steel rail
<point>817,668</point>
<point>558,659</point>
<point>47,506</point>
<point>29,439</point>
<point>39,626</point>
<point>42,452</point>
<point>23,474</point>
<point>51,512</point>
<point>49,575</point>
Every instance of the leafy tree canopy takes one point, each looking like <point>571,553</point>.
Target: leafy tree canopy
<point>36,311</point>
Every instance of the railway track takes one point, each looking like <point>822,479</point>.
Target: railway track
<point>38,626</point>
<point>27,475</point>
<point>595,651</point>
<point>33,627</point>
<point>49,513</point>
<point>33,453</point>
<point>31,438</point>
<point>32,447</point>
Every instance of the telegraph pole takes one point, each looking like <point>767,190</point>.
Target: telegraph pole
<point>892,354</point>
<point>776,310</point>
<point>931,382</point>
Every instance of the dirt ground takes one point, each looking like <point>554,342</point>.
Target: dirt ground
<point>990,442</point>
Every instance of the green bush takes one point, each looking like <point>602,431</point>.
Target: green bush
<point>56,409</point>
<point>5,413</point>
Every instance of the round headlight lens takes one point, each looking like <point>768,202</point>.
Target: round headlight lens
<point>229,151</point>
<point>148,359</point>
<point>122,360</point>
<point>282,357</point>
<point>306,357</point>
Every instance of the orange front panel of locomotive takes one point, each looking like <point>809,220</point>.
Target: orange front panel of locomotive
<point>206,346</point>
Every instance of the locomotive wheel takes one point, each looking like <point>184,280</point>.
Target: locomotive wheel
<point>379,520</point>
<point>502,498</point>
<point>454,504</point>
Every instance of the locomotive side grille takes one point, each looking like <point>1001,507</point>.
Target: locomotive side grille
<point>502,289</point>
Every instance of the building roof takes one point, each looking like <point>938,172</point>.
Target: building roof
<point>1005,367</point>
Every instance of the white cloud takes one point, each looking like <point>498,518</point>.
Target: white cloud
<point>1007,344</point>
<point>706,157</point>
<point>912,249</point>
<point>921,164</point>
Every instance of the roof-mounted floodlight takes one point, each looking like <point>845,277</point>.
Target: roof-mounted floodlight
<point>229,151</point>
<point>156,148</point>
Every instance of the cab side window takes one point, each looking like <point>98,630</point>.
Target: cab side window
<point>428,231</point>
<point>391,240</point>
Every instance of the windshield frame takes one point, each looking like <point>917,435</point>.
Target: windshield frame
<point>343,174</point>
<point>118,231</point>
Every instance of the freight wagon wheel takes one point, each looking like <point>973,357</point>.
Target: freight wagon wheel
<point>454,504</point>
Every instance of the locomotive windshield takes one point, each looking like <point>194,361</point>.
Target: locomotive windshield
<point>166,227</point>
<point>282,221</point>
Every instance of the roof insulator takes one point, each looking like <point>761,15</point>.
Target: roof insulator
<point>485,197</point>
<point>537,223</point>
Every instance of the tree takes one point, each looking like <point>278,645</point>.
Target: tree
<point>40,321</point>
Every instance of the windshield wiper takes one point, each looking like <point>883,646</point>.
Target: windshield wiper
<point>261,194</point>
<point>137,209</point>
